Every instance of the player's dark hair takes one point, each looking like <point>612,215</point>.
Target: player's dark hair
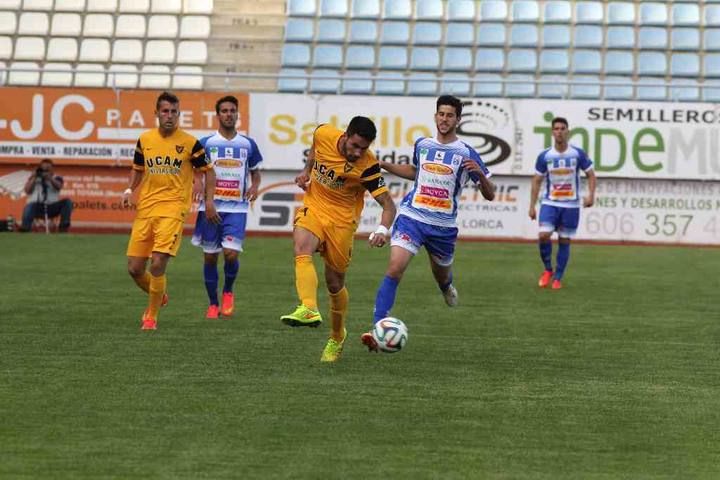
<point>227,98</point>
<point>451,101</point>
<point>362,126</point>
<point>560,120</point>
<point>46,160</point>
<point>167,97</point>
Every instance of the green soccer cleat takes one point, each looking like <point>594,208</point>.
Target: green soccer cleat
<point>302,317</point>
<point>333,349</point>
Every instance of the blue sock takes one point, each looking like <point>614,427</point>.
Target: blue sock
<point>546,254</point>
<point>445,286</point>
<point>562,258</point>
<point>231,270</point>
<point>385,298</point>
<point>210,273</point>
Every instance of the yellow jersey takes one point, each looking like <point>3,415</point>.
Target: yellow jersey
<point>337,187</point>
<point>167,164</point>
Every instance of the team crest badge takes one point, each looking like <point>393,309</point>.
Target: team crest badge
<point>179,148</point>
<point>348,167</point>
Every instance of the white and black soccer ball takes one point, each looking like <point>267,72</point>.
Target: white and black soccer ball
<point>391,334</point>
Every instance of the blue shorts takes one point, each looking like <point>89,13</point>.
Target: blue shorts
<point>411,234</point>
<point>229,233</point>
<point>564,220</point>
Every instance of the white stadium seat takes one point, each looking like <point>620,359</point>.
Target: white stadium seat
<point>357,83</point>
<point>29,48</point>
<point>102,5</point>
<point>98,25</point>
<point>187,77</point>
<point>66,25</point>
<point>461,10</point>
<point>195,26</point>
<point>162,26</point>
<point>62,49</point>
<point>423,84</point>
<point>192,52</point>
<point>122,76</point>
<point>95,50</point>
<point>166,6</point>
<point>324,85</point>
<point>69,5</point>
<point>10,4</point>
<point>159,51</point>
<point>155,76</point>
<point>6,48</point>
<point>3,74</point>
<point>45,5</point>
<point>33,23</point>
<point>17,77</point>
<point>130,26</point>
<point>8,23</point>
<point>89,75</point>
<point>134,6</point>
<point>369,9</point>
<point>56,79</point>
<point>127,51</point>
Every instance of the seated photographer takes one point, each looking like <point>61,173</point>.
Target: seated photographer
<point>43,191</point>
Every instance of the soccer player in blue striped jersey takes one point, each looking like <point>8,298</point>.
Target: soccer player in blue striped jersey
<point>559,166</point>
<point>427,215</point>
<point>236,160</point>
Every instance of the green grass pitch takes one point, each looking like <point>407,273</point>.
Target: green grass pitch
<point>615,376</point>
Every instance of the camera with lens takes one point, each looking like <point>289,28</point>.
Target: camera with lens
<point>39,172</point>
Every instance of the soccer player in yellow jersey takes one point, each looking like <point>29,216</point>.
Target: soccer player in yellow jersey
<point>163,169</point>
<point>340,169</point>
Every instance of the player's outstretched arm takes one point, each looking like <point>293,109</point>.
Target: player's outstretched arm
<point>589,201</point>
<point>403,171</point>
<point>382,234</point>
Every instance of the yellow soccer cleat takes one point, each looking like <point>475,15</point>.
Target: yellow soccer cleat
<point>302,317</point>
<point>333,349</point>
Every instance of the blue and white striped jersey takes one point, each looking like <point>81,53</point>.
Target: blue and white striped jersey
<point>562,175</point>
<point>232,161</point>
<point>439,180</point>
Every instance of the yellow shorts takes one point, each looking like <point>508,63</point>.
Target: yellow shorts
<point>336,241</point>
<point>155,234</point>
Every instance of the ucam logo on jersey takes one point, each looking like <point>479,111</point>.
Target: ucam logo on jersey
<point>437,168</point>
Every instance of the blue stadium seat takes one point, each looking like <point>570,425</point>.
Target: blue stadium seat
<point>302,8</point>
<point>455,84</point>
<point>328,56</point>
<point>619,63</point>
<point>425,58</point>
<point>684,65</point>
<point>651,64</point>
<point>586,61</point>
<point>491,34</point>
<point>487,85</point>
<point>363,32</point>
<point>618,88</point>
<point>711,65</point>
<point>524,11</point>
<point>390,83</point>
<point>687,14</point>
<point>552,86</point>
<point>620,37</point>
<point>427,33</point>
<point>557,12</point>
<point>318,84</point>
<point>295,55</point>
<point>554,61</point>
<point>588,36</point>
<point>393,58</point>
<point>457,60</point>
<point>589,12</point>
<point>522,60</point>
<point>360,57</point>
<point>523,36</point>
<point>397,9</point>
<point>653,14</point>
<point>461,10</point>
<point>493,11</point>
<point>621,13</point>
<point>333,8</point>
<point>357,82</point>
<point>684,90</point>
<point>367,9</point>
<point>712,15</point>
<point>647,91</point>
<point>711,39</point>
<point>299,30</point>
<point>331,31</point>
<point>422,84</point>
<point>292,80</point>
<point>652,38</point>
<point>556,36</point>
<point>395,33</point>
<point>711,92</point>
<point>429,10</point>
<point>585,86</point>
<point>685,39</point>
<point>489,60</point>
<point>520,86</point>
<point>459,34</point>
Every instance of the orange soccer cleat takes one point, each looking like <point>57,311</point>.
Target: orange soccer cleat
<point>368,340</point>
<point>545,278</point>
<point>556,285</point>
<point>228,304</point>
<point>148,323</point>
<point>213,312</point>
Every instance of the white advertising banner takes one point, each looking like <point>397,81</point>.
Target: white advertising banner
<point>624,139</point>
<point>656,211</point>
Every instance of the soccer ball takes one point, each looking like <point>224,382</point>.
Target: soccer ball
<point>391,334</point>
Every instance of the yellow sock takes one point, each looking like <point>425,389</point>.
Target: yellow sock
<point>338,310</point>
<point>306,281</point>
<point>143,282</point>
<point>156,291</point>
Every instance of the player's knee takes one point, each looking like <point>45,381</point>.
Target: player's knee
<point>136,271</point>
<point>545,236</point>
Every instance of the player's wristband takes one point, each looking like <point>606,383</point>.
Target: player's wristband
<point>381,230</point>
<point>128,191</point>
